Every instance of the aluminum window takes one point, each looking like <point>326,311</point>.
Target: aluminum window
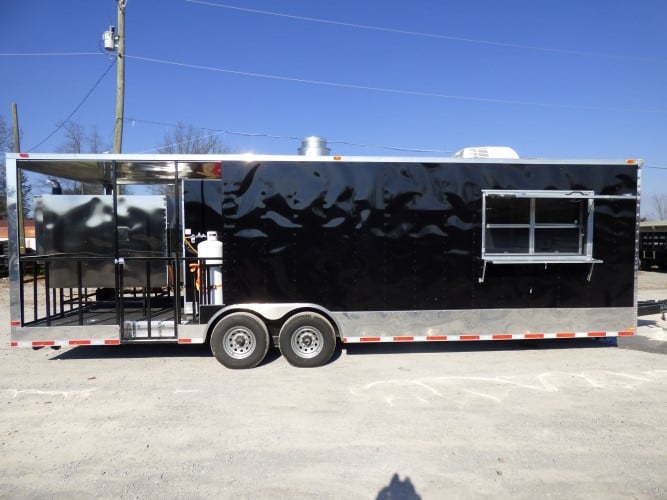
<point>537,226</point>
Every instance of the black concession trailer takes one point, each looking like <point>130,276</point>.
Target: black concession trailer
<point>247,252</point>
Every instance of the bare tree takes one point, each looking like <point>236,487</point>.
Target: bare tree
<point>659,206</point>
<point>187,139</point>
<point>5,135</point>
<point>95,142</point>
<point>78,141</point>
<point>75,137</point>
<point>7,144</point>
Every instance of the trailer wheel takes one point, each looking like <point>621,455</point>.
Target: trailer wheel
<point>240,340</point>
<point>307,339</point>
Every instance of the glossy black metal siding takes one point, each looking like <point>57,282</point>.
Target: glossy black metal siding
<point>403,236</point>
<point>202,205</point>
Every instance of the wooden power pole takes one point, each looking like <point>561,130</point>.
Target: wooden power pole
<point>19,183</point>
<point>120,78</point>
<point>15,127</point>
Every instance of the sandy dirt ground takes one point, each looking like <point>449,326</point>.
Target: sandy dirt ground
<point>564,419</point>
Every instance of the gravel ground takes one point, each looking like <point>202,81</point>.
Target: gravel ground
<point>564,419</point>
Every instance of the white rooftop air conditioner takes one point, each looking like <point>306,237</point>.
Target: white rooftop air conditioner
<point>487,152</point>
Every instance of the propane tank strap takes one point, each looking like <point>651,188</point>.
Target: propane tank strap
<point>194,268</point>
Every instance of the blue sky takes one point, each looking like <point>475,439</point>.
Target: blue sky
<point>550,78</point>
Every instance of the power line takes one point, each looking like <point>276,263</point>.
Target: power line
<point>215,131</point>
<point>428,35</point>
<point>62,124</point>
<point>285,137</point>
<point>167,146</point>
<point>397,91</point>
<point>391,148</point>
<point>47,54</point>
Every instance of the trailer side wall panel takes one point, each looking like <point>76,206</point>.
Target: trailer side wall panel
<point>355,236</point>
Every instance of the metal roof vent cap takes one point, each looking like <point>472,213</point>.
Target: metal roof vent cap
<point>314,146</point>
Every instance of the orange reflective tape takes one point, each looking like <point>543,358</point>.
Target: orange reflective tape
<point>43,343</point>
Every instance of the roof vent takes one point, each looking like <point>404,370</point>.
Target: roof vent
<point>314,146</point>
<point>487,152</point>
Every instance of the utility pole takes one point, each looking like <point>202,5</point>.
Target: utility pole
<point>19,186</point>
<point>15,128</point>
<point>120,78</point>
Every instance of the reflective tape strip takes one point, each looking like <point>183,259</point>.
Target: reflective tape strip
<point>94,342</point>
<point>496,336</point>
<point>43,343</point>
<point>72,342</point>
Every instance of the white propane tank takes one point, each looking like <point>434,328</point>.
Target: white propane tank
<point>211,250</point>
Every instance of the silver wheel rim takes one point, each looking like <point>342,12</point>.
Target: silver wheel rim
<point>239,342</point>
<point>307,342</point>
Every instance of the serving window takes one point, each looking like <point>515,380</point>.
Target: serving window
<point>537,226</point>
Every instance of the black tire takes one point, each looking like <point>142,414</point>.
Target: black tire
<point>240,340</point>
<point>307,340</point>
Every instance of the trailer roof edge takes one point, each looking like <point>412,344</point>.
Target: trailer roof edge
<point>56,157</point>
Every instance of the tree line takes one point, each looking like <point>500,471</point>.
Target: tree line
<point>77,139</point>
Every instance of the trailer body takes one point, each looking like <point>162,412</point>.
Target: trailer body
<point>364,249</point>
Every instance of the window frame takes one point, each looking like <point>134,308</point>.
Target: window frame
<point>585,227</point>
